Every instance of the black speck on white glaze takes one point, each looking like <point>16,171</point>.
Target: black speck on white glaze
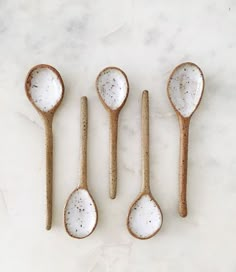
<point>80,214</point>
<point>45,88</point>
<point>185,88</point>
<point>145,217</point>
<point>112,86</point>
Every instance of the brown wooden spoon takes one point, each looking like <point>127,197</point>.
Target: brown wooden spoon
<point>185,89</point>
<point>80,214</point>
<point>145,216</point>
<point>113,89</point>
<point>45,90</point>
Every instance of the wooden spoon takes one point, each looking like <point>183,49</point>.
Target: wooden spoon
<point>80,214</point>
<point>113,89</point>
<point>185,89</point>
<point>45,90</point>
<point>145,216</point>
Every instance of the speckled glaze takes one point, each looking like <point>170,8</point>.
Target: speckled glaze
<point>112,87</point>
<point>185,88</point>
<point>80,214</point>
<point>145,217</point>
<point>45,88</point>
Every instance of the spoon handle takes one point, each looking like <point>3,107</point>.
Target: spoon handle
<point>145,142</point>
<point>183,164</point>
<point>49,169</point>
<point>83,141</point>
<point>113,153</point>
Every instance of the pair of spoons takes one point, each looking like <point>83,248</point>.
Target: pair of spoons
<point>185,89</point>
<point>80,213</point>
<point>45,90</point>
<point>145,216</point>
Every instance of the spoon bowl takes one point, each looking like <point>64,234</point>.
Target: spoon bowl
<point>145,217</point>
<point>45,89</point>
<point>80,213</point>
<point>185,89</point>
<point>113,89</point>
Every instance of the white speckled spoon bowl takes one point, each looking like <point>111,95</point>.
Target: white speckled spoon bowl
<point>145,216</point>
<point>185,89</point>
<point>113,89</point>
<point>80,214</point>
<point>45,90</point>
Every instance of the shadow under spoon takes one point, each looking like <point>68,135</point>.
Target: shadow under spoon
<point>145,216</point>
<point>45,89</point>
<point>80,214</point>
<point>185,89</point>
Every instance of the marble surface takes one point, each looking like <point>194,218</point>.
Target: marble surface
<point>146,39</point>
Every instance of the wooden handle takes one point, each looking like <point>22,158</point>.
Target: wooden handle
<point>83,141</point>
<point>145,142</point>
<point>49,169</point>
<point>183,165</point>
<point>113,153</point>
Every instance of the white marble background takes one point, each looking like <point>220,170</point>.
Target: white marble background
<point>147,39</point>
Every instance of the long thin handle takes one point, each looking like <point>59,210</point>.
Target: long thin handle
<point>183,165</point>
<point>145,142</point>
<point>49,169</point>
<point>83,141</point>
<point>113,153</point>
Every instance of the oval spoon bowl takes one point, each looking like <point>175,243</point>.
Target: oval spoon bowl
<point>185,88</point>
<point>145,217</point>
<point>44,87</point>
<point>112,87</point>
<point>80,214</point>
